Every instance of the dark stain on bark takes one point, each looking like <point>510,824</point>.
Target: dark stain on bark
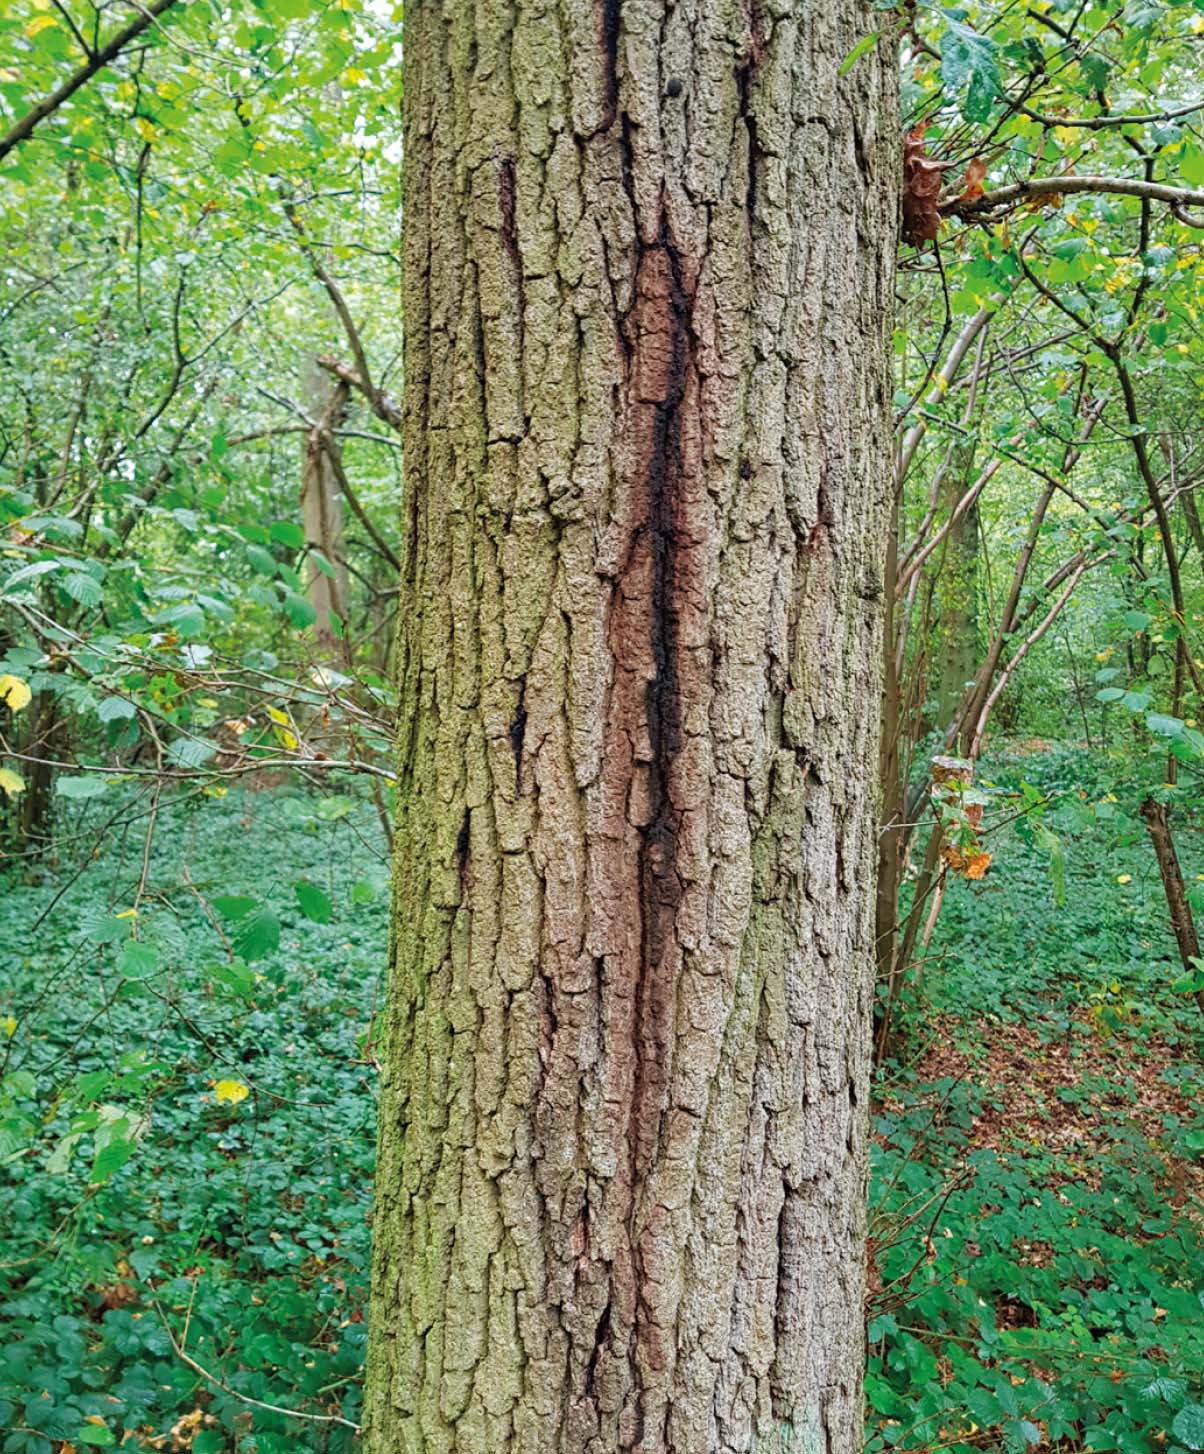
<point>662,702</point>
<point>462,844</point>
<point>825,514</point>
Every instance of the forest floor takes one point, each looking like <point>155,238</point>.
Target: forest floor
<point>188,1133</point>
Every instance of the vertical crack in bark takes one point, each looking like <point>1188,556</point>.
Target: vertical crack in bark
<point>518,733</point>
<point>507,196</point>
<point>744,85</point>
<point>664,366</point>
<point>608,40</point>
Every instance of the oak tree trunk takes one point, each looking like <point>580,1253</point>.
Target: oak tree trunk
<point>648,250</point>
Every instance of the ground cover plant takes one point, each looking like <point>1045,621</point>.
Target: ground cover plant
<point>1037,1200</point>
<point>188,1125</point>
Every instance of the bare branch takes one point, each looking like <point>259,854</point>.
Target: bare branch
<point>384,407</point>
<point>1177,198</point>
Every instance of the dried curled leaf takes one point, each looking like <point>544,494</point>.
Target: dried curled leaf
<point>922,181</point>
<point>972,182</point>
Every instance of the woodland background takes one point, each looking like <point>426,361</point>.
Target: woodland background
<point>200,481</point>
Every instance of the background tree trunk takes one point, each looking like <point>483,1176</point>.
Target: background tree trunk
<point>322,509</point>
<point>957,591</point>
<point>649,259</point>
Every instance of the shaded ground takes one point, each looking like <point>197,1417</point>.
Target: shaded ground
<point>1037,1185</point>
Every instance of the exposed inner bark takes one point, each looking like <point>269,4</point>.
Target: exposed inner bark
<point>622,1159</point>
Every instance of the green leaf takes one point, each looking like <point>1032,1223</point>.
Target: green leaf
<point>298,610</point>
<point>233,906</point>
<point>257,936</point>
<point>137,961</point>
<point>1188,1426</point>
<point>98,1435</point>
<point>82,588</point>
<point>104,928</point>
<point>191,752</point>
<point>863,46</point>
<point>235,977</point>
<point>110,1158</point>
<point>187,618</point>
<point>314,903</point>
<point>287,532</point>
<point>1162,725</point>
<point>263,560</point>
<point>116,709</point>
<point>969,64</point>
<point>80,787</point>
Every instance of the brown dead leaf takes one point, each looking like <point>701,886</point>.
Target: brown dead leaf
<point>922,181</point>
<point>972,182</point>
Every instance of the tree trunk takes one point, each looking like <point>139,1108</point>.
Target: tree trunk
<point>957,591</point>
<point>322,510</point>
<point>1183,924</point>
<point>649,256</point>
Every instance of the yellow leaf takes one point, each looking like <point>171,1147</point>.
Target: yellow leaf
<point>288,739</point>
<point>127,914</point>
<point>232,1091</point>
<point>144,128</point>
<point>278,716</point>
<point>11,782</point>
<point>1124,878</point>
<point>38,24</point>
<point>15,692</point>
<point>10,1026</point>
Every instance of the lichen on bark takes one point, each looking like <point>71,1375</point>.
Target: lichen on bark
<point>648,258</point>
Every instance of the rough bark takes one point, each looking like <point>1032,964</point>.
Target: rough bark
<point>649,253</point>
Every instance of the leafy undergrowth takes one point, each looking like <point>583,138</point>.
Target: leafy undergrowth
<point>189,1132</point>
<point>188,1146</point>
<point>1038,1189</point>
